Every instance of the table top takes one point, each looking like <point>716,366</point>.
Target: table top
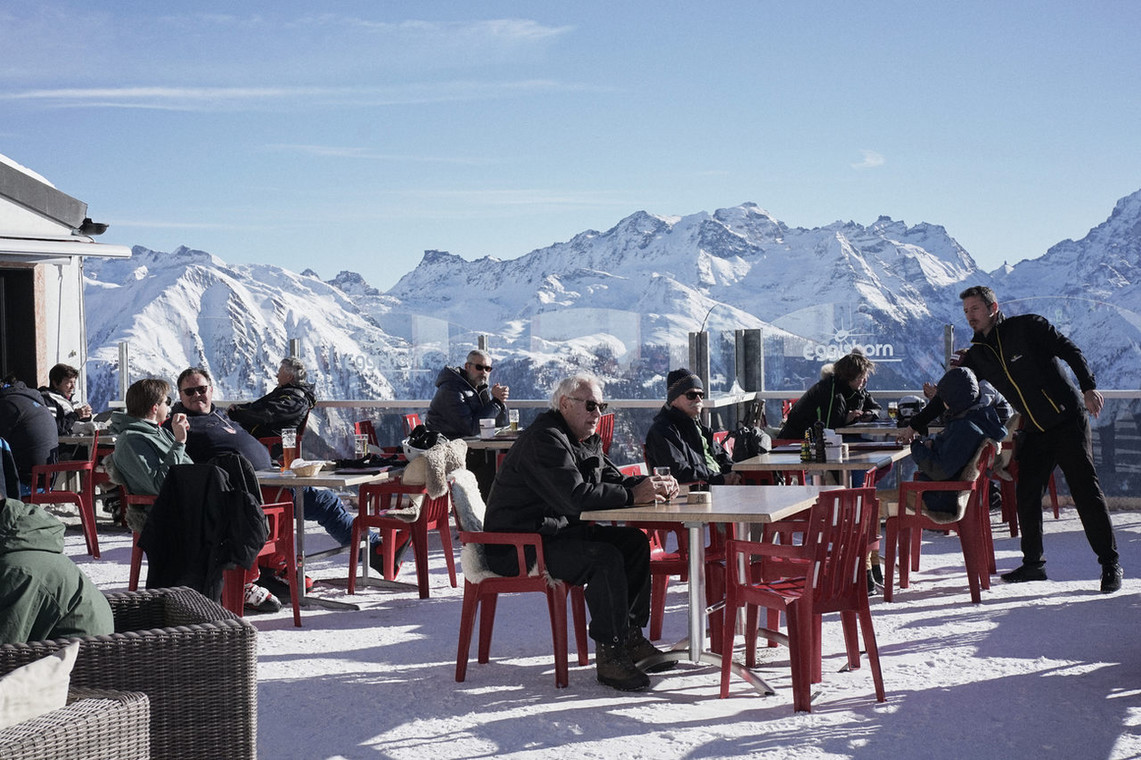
<point>324,479</point>
<point>727,504</point>
<point>857,460</point>
<point>502,441</point>
<point>105,438</point>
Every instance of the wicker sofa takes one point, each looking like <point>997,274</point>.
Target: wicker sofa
<point>95,725</point>
<point>195,661</point>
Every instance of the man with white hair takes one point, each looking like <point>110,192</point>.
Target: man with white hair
<point>286,406</point>
<point>553,473</point>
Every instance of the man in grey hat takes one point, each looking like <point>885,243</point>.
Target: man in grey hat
<point>678,440</point>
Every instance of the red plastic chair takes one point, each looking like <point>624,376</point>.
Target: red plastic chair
<point>606,431</point>
<point>972,523</point>
<point>481,594</point>
<point>365,427</point>
<point>832,580</point>
<point>375,501</point>
<point>664,561</point>
<point>279,543</point>
<point>1009,491</point>
<point>43,476</point>
<point>411,422</point>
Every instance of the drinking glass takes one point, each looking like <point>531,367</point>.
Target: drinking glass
<point>288,448</point>
<point>360,445</point>
<point>893,410</point>
<point>662,471</point>
<point>513,418</point>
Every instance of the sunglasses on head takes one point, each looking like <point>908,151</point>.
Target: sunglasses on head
<point>692,395</point>
<point>590,404</point>
<point>198,390</point>
<point>481,367</point>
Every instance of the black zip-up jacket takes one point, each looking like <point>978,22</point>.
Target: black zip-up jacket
<point>676,441</point>
<point>1021,357</point>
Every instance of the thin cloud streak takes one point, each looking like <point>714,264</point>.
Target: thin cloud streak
<point>338,151</point>
<point>238,98</point>
<point>872,159</point>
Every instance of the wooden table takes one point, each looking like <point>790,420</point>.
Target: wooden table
<point>727,504</point>
<point>324,479</point>
<point>858,461</point>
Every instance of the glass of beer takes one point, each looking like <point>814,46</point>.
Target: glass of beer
<point>513,418</point>
<point>893,410</point>
<point>288,448</point>
<point>360,446</point>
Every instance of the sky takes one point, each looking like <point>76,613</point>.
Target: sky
<point>356,135</point>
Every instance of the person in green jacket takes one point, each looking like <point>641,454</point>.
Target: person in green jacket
<point>43,594</point>
<point>144,450</point>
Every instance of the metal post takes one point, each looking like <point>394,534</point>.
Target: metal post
<point>750,370</point>
<point>295,347</point>
<point>124,369</point>
<point>481,342</point>
<point>699,361</point>
<point>948,345</point>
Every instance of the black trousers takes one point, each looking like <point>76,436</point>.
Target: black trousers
<point>612,562</point>
<point>1069,447</point>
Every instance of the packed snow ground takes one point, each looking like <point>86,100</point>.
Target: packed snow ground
<point>1042,670</point>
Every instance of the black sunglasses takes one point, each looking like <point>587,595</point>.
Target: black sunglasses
<point>691,395</point>
<point>590,404</point>
<point>198,390</point>
<point>481,367</point>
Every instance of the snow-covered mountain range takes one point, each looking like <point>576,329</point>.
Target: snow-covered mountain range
<point>619,302</point>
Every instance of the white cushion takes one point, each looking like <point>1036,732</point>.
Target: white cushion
<point>38,687</point>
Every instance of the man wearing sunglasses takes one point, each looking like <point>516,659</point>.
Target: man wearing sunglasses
<point>212,432</point>
<point>678,440</point>
<point>554,472</point>
<point>463,397</point>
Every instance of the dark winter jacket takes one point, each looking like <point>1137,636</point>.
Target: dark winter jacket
<point>548,479</point>
<point>1021,357</point>
<point>43,595</point>
<point>214,433</point>
<point>828,401</point>
<point>207,519</point>
<point>62,410</point>
<point>286,406</point>
<point>677,441</point>
<point>458,407</point>
<point>976,417</point>
<point>28,427</point>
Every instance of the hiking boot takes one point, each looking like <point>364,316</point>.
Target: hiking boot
<point>639,648</point>
<point>259,599</point>
<point>617,670</point>
<point>1025,573</point>
<point>376,555</point>
<point>1111,578</point>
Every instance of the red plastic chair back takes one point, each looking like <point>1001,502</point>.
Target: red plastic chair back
<point>411,422</point>
<point>43,476</point>
<point>606,431</point>
<point>365,427</point>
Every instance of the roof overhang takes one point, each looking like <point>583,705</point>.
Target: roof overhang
<point>44,249</point>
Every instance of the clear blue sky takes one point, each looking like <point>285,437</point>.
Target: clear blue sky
<point>355,135</point>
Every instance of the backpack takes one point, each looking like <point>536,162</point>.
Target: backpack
<point>750,439</point>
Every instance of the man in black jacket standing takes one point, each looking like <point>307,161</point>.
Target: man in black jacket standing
<point>1020,356</point>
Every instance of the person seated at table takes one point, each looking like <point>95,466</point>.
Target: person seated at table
<point>286,406</point>
<point>971,417</point>
<point>839,398</point>
<point>553,473</point>
<point>463,397</point>
<point>144,453</point>
<point>212,433</point>
<point>58,398</point>
<point>43,594</point>
<point>678,440</point>
<point>28,427</point>
<point>144,450</point>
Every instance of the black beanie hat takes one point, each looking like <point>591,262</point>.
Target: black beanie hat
<point>679,381</point>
